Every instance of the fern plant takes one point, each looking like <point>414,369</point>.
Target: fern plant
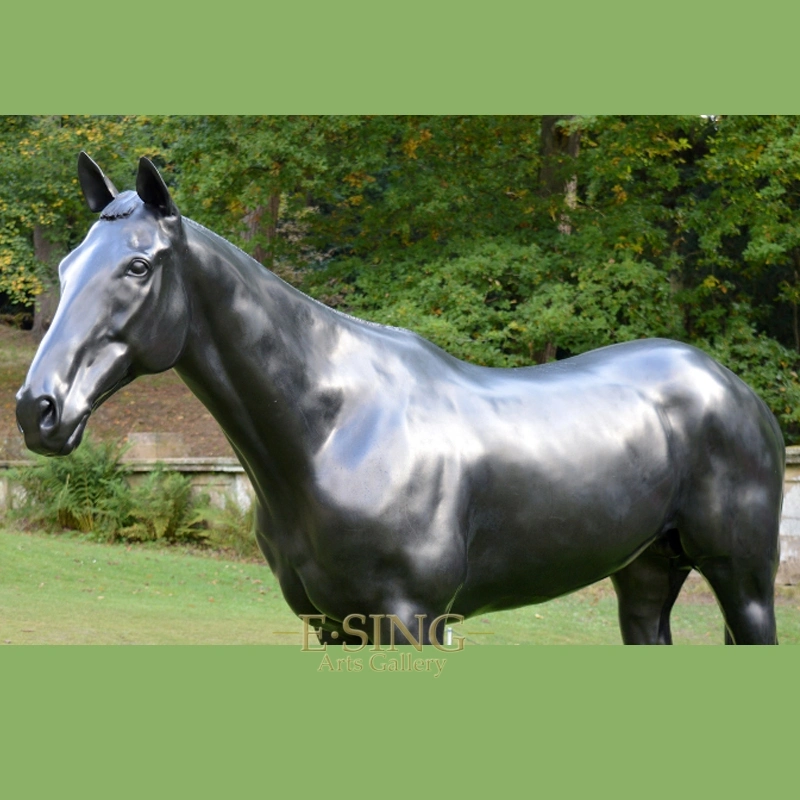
<point>232,529</point>
<point>163,508</point>
<point>87,491</point>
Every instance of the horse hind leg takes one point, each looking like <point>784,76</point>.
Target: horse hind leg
<point>746,595</point>
<point>647,589</point>
<point>730,531</point>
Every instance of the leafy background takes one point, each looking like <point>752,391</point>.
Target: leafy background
<point>507,240</point>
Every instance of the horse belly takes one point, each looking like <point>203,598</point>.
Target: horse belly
<point>575,511</point>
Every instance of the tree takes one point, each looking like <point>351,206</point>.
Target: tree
<point>748,221</point>
<point>42,213</point>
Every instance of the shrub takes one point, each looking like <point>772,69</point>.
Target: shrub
<point>89,491</point>
<point>163,508</point>
<point>233,529</point>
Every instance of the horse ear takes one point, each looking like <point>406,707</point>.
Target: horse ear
<point>151,188</point>
<point>97,189</point>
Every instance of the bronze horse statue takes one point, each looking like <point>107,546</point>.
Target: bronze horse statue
<point>392,478</point>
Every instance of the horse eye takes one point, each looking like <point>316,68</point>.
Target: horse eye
<point>138,268</point>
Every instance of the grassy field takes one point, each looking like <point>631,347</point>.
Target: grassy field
<point>60,590</point>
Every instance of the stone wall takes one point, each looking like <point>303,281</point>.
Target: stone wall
<point>790,520</point>
<point>220,478</point>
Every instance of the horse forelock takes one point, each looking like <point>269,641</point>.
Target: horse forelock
<point>123,205</point>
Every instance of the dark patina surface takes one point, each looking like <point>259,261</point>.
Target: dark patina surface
<point>392,478</point>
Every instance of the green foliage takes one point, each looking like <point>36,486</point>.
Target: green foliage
<point>39,186</point>
<point>19,270</point>
<point>246,176</point>
<point>232,529</point>
<point>468,305</point>
<point>748,220</point>
<point>89,491</point>
<point>369,186</point>
<point>502,304</point>
<point>163,509</point>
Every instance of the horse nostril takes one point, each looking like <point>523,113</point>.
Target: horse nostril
<point>48,416</point>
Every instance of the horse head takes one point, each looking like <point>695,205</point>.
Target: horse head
<point>123,310</point>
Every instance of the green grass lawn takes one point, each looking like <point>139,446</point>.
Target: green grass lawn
<point>62,590</point>
<point>59,590</point>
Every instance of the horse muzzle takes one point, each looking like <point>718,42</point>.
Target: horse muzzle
<point>41,419</point>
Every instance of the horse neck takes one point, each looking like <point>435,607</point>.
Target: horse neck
<point>255,350</point>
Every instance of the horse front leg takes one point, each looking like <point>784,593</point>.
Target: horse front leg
<point>294,591</point>
<point>646,591</point>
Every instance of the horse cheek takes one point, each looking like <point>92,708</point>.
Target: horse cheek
<point>160,335</point>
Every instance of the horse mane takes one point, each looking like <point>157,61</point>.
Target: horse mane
<point>121,206</point>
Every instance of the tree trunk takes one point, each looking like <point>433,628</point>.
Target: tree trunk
<point>557,179</point>
<point>558,150</point>
<point>795,320</point>
<point>44,308</point>
<point>261,226</point>
<point>545,354</point>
